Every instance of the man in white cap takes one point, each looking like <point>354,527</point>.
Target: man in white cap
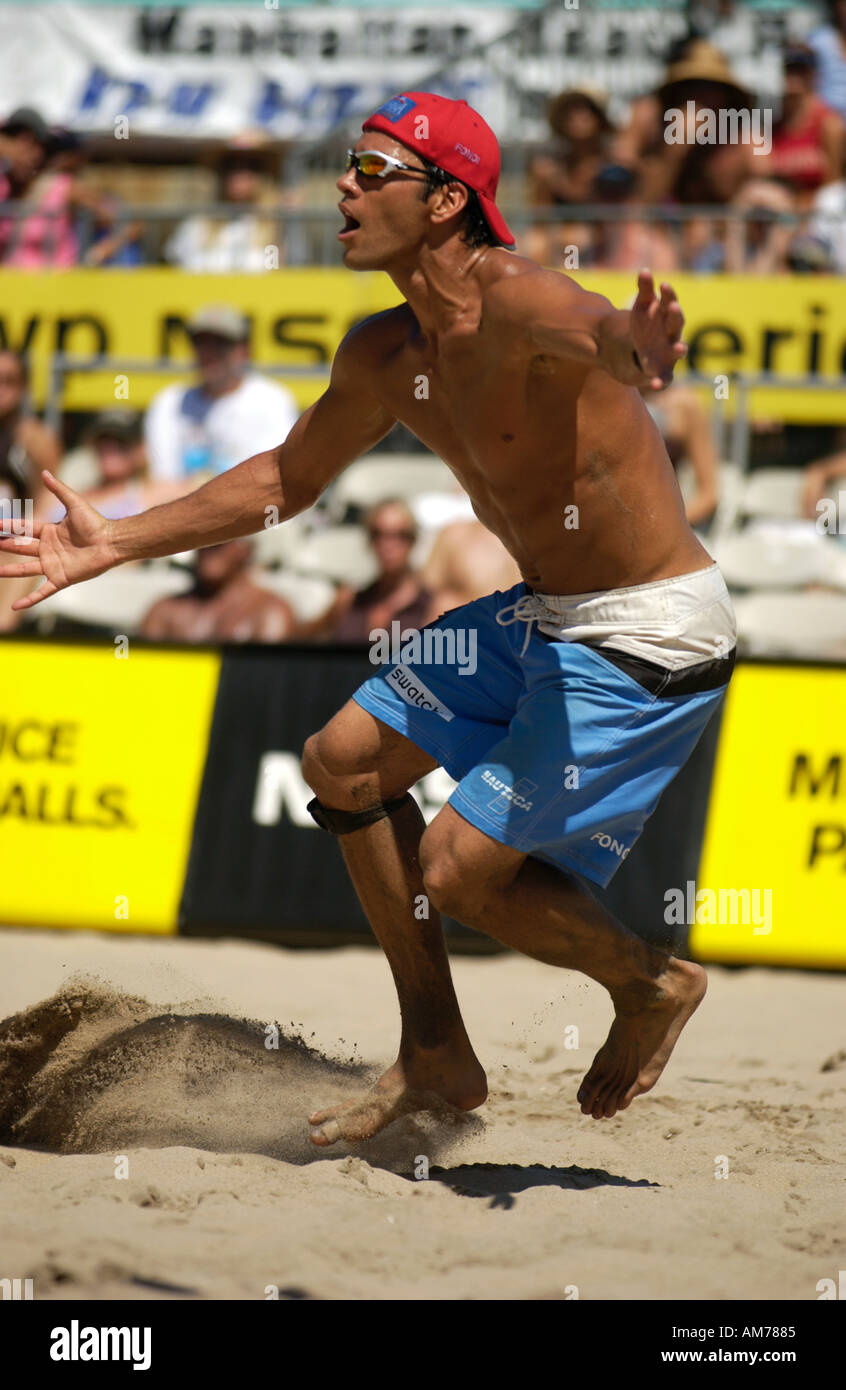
<point>201,428</point>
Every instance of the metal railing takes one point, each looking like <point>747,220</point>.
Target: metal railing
<point>63,365</point>
<point>308,235</point>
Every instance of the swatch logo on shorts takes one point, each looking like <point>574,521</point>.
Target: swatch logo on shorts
<point>410,688</point>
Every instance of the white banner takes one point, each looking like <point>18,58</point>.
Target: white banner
<point>214,70</point>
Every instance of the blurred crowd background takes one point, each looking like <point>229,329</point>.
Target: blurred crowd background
<point>587,167</point>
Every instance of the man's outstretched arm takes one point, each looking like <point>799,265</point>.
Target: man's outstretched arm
<point>638,346</point>
<point>345,422</point>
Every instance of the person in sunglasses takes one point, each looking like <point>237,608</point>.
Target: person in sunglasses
<point>397,594</point>
<point>594,676</point>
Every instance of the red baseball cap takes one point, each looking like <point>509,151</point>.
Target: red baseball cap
<point>455,138</point>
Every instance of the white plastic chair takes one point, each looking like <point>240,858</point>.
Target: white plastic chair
<point>121,598</point>
<point>378,476</point>
<point>308,595</point>
<point>784,624</point>
<point>773,492</point>
<point>278,545</point>
<point>776,555</point>
<point>340,553</point>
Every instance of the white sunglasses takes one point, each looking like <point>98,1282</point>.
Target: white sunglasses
<point>375,164</point>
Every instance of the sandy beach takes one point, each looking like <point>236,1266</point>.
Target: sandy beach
<point>150,1057</point>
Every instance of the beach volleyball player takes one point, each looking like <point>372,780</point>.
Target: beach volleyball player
<point>594,678</point>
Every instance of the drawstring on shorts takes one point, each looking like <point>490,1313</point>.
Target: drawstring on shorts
<point>528,609</point>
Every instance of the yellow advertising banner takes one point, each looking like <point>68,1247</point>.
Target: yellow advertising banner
<point>772,884</point>
<point>101,756</point>
<point>786,325</point>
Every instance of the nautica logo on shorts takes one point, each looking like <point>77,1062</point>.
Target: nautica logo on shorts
<point>410,688</point>
<point>509,796</point>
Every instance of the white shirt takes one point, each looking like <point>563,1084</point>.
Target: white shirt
<point>831,228</point>
<point>202,245</point>
<point>187,432</point>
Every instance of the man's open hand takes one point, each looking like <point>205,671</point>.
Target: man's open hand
<point>656,329</point>
<point>78,547</point>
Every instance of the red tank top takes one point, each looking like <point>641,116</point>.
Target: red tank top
<point>798,154</point>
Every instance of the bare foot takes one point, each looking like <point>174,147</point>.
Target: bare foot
<point>642,1036</point>
<point>439,1083</point>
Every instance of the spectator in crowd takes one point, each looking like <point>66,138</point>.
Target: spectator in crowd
<point>564,172</point>
<point>466,562</point>
<point>682,169</point>
<point>687,436</point>
<point>238,242</point>
<point>825,477</point>
<point>26,444</point>
<point>828,221</point>
<point>224,605</point>
<point>631,242</point>
<point>122,486</point>
<point>829,45</point>
<point>105,241</point>
<point>397,594</point>
<point>809,137</point>
<point>202,428</point>
<point>760,244</point>
<point>26,447</point>
<point>51,198</point>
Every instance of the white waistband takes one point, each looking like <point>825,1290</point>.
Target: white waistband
<point>674,622</point>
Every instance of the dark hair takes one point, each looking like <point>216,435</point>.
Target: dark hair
<point>473,226</point>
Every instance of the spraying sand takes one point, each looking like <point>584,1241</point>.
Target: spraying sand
<point>151,1058</point>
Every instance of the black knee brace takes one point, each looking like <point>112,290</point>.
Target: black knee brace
<point>343,822</point>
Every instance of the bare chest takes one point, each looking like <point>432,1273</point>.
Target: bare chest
<point>481,406</point>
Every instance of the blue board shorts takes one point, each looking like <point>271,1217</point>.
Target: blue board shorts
<point>561,747</point>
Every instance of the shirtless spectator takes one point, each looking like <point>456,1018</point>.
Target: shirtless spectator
<point>760,244</point>
<point>686,432</point>
<point>397,594</point>
<point>626,243</point>
<point>467,561</point>
<point>809,138</point>
<point>26,446</point>
<point>224,604</point>
<point>825,478</point>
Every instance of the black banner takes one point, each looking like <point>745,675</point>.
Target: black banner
<point>260,867</point>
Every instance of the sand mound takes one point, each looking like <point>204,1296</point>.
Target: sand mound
<point>93,1070</point>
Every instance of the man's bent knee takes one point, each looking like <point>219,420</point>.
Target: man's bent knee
<point>355,762</point>
<point>463,869</point>
<point>335,775</point>
<point>450,883</point>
